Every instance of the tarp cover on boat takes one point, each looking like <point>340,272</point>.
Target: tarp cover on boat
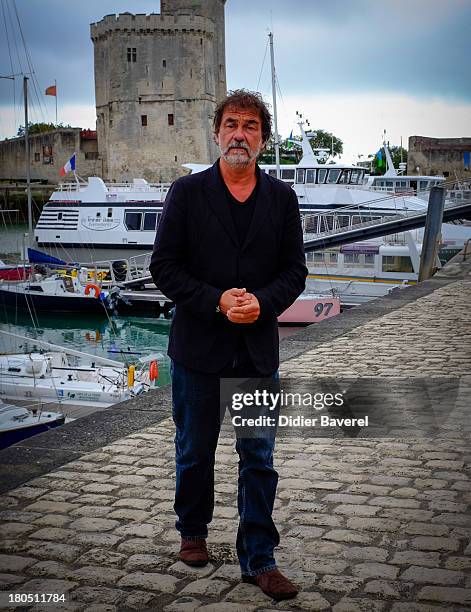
<point>38,257</point>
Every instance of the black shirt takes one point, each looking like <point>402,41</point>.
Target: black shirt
<point>242,212</point>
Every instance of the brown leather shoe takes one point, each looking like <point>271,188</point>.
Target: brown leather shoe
<point>273,584</point>
<point>194,552</point>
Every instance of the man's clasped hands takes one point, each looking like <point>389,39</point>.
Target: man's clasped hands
<point>239,306</point>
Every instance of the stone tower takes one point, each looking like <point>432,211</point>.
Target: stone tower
<point>158,79</point>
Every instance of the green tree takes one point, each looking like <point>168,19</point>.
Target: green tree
<point>379,164</point>
<point>38,128</point>
<point>291,154</point>
<point>324,140</point>
<point>287,153</point>
<point>396,155</point>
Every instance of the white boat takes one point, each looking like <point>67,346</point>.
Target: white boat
<point>67,376</point>
<point>101,215</point>
<point>20,422</point>
<point>68,292</point>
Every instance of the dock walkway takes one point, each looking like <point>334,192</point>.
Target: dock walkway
<point>366,524</point>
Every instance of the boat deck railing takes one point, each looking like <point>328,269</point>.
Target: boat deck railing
<point>118,187</point>
<point>123,272</point>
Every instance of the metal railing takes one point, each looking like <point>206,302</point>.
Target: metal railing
<point>334,225</point>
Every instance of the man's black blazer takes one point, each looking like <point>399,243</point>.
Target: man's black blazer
<point>197,257</point>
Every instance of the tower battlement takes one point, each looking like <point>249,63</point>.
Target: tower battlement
<point>149,24</point>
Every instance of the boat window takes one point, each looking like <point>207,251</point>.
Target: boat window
<point>319,257</point>
<point>344,177</point>
<point>389,183</point>
<point>322,173</point>
<point>110,213</point>
<point>132,220</point>
<point>150,221</point>
<point>300,172</point>
<point>397,263</point>
<point>59,216</point>
<point>310,176</point>
<point>369,259</point>
<point>355,177</point>
<point>272,172</point>
<point>288,174</point>
<point>423,185</point>
<point>333,175</point>
<point>98,214</point>
<point>351,258</point>
<point>12,369</point>
<point>333,257</point>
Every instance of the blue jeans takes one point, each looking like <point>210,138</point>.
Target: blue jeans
<point>196,413</point>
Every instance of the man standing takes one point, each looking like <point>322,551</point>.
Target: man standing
<point>229,253</point>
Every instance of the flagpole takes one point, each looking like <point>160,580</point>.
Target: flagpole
<point>55,85</point>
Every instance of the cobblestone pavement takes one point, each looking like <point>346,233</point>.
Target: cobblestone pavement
<point>365,524</point>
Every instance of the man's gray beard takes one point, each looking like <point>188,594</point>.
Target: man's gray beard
<point>239,159</point>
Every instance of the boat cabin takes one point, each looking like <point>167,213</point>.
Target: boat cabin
<point>410,185</point>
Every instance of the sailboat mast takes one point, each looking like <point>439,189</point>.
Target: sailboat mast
<point>28,161</point>
<point>275,119</point>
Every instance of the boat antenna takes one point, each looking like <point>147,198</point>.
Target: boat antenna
<point>275,118</point>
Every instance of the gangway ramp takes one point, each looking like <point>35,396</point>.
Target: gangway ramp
<point>384,226</point>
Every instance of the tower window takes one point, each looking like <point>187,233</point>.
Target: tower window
<point>132,54</point>
<point>170,118</point>
<point>164,63</point>
<point>144,120</point>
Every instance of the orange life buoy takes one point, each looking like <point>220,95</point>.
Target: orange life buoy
<point>90,338</point>
<point>95,288</point>
<point>153,370</point>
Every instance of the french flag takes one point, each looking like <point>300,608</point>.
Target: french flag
<point>69,166</point>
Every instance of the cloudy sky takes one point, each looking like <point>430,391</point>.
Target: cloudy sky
<point>353,67</point>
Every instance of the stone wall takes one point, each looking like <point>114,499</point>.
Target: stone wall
<point>49,151</point>
<point>158,78</point>
<point>444,156</point>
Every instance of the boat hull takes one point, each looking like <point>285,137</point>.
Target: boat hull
<point>310,309</point>
<point>7,438</point>
<point>51,303</point>
<point>14,273</point>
